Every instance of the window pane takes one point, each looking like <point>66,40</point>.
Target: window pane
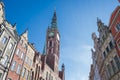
<point>22,56</point>
<point>4,40</point>
<point>23,72</point>
<point>18,69</point>
<point>0,75</point>
<point>26,74</point>
<point>118,27</point>
<point>107,49</point>
<point>5,61</point>
<point>18,51</point>
<point>111,45</point>
<point>117,62</point>
<point>113,66</point>
<point>109,69</point>
<point>13,65</point>
<point>104,54</point>
<point>10,46</point>
<point>26,59</point>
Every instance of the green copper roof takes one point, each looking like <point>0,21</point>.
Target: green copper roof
<point>44,50</point>
<point>54,20</point>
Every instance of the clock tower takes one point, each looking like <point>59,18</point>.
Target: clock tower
<point>52,45</point>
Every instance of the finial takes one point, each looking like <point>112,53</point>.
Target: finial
<point>26,30</point>
<point>54,9</point>
<point>54,20</point>
<point>14,26</point>
<point>63,66</point>
<point>98,20</point>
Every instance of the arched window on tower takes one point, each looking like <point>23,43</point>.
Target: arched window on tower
<point>50,45</point>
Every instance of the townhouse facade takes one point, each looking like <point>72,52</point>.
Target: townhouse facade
<point>108,41</point>
<point>8,43</point>
<point>19,59</point>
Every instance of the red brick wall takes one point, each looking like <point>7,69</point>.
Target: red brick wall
<point>12,74</point>
<point>115,19</point>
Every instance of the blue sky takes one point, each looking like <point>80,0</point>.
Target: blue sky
<point>76,22</point>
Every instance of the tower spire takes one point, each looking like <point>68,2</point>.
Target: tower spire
<point>54,20</point>
<point>44,50</point>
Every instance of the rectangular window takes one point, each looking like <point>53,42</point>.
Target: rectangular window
<point>118,27</point>
<point>111,45</point>
<point>18,52</point>
<point>113,66</point>
<point>22,56</point>
<point>107,49</point>
<point>5,60</point>
<point>117,62</point>
<point>13,65</point>
<point>50,45</point>
<point>23,72</point>
<point>10,46</point>
<point>0,75</point>
<point>26,59</point>
<point>109,69</point>
<point>26,75</point>
<point>30,62</point>
<point>4,40</point>
<point>18,69</point>
<point>104,54</point>
<point>25,46</point>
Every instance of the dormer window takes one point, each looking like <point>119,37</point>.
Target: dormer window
<point>118,27</point>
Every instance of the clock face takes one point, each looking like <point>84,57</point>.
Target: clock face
<point>58,37</point>
<point>51,34</point>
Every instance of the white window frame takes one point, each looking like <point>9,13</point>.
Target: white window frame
<point>5,60</point>
<point>18,69</point>
<point>18,52</point>
<point>23,72</point>
<point>4,40</point>
<point>117,27</point>
<point>13,66</point>
<point>22,56</point>
<point>10,46</point>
